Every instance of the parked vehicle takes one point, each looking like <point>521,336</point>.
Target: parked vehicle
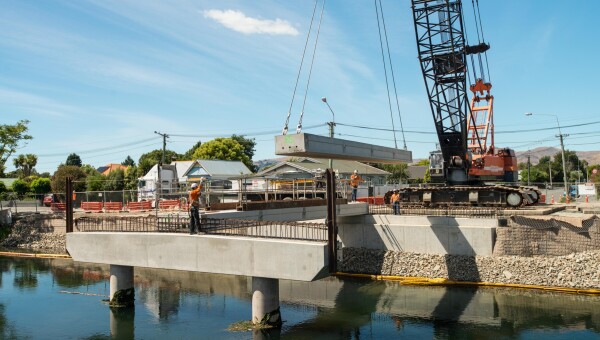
<point>48,200</point>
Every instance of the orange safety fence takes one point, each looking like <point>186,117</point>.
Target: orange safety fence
<point>168,204</point>
<point>91,206</point>
<point>113,206</point>
<point>58,207</point>
<point>139,206</point>
<point>371,200</point>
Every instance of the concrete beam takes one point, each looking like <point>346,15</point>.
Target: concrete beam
<point>257,257</point>
<point>308,145</point>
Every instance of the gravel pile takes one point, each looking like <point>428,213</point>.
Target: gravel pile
<point>26,235</point>
<point>578,270</point>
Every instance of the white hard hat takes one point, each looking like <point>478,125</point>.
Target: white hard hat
<point>194,185</point>
<point>355,171</point>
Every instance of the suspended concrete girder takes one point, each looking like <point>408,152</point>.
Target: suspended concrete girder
<point>309,145</point>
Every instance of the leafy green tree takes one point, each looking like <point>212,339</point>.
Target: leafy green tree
<point>128,161</point>
<point>148,160</point>
<point>225,149</point>
<point>20,187</point>
<point>89,170</point>
<point>73,159</point>
<point>398,172</point>
<point>95,182</point>
<point>131,178</point>
<point>188,155</point>
<point>25,163</point>
<point>115,180</point>
<point>427,176</point>
<point>58,180</point>
<point>249,148</point>
<point>41,185</point>
<point>3,188</point>
<point>423,162</point>
<point>10,138</point>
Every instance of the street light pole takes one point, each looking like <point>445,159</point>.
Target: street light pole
<point>562,151</point>
<point>331,125</point>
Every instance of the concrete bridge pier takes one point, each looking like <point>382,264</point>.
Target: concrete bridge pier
<point>265,301</point>
<point>121,286</point>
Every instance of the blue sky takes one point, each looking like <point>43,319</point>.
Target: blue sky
<point>99,77</point>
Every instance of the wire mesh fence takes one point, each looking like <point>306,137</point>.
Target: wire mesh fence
<point>470,212</point>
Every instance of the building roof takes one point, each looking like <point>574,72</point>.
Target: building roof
<point>343,167</point>
<point>108,168</point>
<point>182,168</point>
<point>217,169</point>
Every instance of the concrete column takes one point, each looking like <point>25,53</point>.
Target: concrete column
<point>121,286</point>
<point>122,323</point>
<point>265,301</point>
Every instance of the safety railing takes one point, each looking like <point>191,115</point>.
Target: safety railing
<point>179,224</point>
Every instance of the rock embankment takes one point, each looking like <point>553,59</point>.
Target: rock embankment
<point>28,234</point>
<point>578,270</point>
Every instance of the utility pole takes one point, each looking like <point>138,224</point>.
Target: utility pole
<point>331,125</point>
<point>162,161</point>
<point>528,168</point>
<point>550,172</point>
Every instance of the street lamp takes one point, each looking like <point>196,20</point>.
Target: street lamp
<point>562,150</point>
<point>331,125</point>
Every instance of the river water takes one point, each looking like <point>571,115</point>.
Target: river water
<point>62,299</point>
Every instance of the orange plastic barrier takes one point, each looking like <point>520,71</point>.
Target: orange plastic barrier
<point>371,200</point>
<point>92,206</point>
<point>543,199</point>
<point>113,206</point>
<point>139,206</point>
<point>58,207</point>
<point>168,204</point>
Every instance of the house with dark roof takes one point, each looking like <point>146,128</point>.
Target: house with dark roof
<point>306,167</point>
<point>108,168</point>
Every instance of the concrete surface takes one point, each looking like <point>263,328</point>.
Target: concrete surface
<point>419,234</point>
<point>309,145</point>
<point>268,258</point>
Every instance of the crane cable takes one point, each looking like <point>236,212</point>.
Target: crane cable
<point>393,76</point>
<point>385,73</point>
<point>287,121</point>
<point>483,38</point>
<point>312,62</point>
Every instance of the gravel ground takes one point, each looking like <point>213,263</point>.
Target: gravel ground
<point>579,270</point>
<point>25,235</point>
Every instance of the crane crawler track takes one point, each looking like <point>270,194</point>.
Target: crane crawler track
<point>496,196</point>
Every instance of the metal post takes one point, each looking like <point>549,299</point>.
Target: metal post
<point>331,221</point>
<point>528,168</point>
<point>562,149</point>
<point>69,204</point>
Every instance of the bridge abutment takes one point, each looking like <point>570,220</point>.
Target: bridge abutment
<point>121,286</point>
<point>265,301</point>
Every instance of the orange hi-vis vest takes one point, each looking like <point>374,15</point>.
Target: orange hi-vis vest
<point>195,196</point>
<point>354,180</point>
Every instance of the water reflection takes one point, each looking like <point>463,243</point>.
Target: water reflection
<point>185,304</point>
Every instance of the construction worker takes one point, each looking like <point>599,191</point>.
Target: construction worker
<point>194,205</point>
<point>395,200</point>
<point>355,179</point>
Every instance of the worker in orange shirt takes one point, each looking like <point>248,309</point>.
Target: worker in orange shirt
<point>355,179</point>
<point>194,205</point>
<point>395,200</point>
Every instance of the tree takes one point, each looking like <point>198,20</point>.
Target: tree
<point>89,170</point>
<point>188,155</point>
<point>131,178</point>
<point>20,187</point>
<point>25,163</point>
<point>148,160</point>
<point>398,172</point>
<point>10,137</point>
<point>115,180</point>
<point>41,185</point>
<point>249,145</point>
<point>225,149</point>
<point>59,178</point>
<point>3,188</point>
<point>423,162</point>
<point>73,159</point>
<point>94,182</point>
<point>128,161</point>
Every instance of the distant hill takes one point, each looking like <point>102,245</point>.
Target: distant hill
<point>592,157</point>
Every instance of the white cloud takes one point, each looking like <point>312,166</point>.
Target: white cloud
<point>239,22</point>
